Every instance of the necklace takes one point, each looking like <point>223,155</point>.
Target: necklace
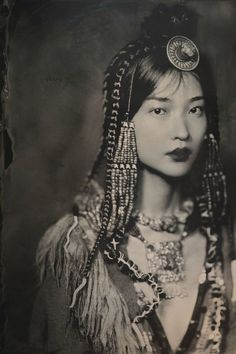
<point>165,258</point>
<point>168,223</point>
<point>166,261</point>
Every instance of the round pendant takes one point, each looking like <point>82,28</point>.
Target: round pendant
<point>182,53</point>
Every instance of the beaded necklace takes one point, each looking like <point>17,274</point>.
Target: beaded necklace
<point>168,223</point>
<point>165,259</point>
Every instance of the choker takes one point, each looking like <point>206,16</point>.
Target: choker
<point>167,223</point>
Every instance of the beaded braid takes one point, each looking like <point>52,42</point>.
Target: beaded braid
<point>112,78</point>
<point>124,178</point>
<point>212,204</point>
<point>212,201</point>
<point>124,165</point>
<point>121,174</point>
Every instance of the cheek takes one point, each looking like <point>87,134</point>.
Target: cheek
<point>144,143</point>
<point>150,142</point>
<point>198,132</point>
<point>148,137</point>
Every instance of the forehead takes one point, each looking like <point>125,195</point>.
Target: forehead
<point>177,83</point>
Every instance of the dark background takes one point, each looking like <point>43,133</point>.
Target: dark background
<point>58,51</point>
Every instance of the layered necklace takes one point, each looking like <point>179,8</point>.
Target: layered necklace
<point>165,258</point>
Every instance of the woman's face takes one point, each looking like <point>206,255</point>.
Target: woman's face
<point>170,125</point>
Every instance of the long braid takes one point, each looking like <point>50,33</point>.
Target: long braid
<point>120,175</point>
<point>212,200</point>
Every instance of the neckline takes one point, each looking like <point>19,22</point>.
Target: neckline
<point>158,330</point>
<point>155,323</point>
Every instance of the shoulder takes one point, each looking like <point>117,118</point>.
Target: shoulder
<point>69,240</point>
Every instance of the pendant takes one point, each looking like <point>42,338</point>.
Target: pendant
<point>166,261</point>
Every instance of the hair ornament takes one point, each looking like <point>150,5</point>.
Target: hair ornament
<point>182,53</point>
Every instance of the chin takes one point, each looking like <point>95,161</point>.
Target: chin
<point>176,170</point>
<point>177,174</point>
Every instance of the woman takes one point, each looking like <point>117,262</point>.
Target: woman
<point>137,268</point>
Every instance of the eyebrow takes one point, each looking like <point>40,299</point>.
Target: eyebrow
<point>197,98</point>
<point>166,99</point>
<point>161,99</point>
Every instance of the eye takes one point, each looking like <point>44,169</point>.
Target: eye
<point>159,111</point>
<point>197,110</point>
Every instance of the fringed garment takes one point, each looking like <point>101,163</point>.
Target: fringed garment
<point>100,321</point>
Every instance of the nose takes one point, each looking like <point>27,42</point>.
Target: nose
<point>180,128</point>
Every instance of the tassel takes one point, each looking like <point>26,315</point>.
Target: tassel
<point>98,307</point>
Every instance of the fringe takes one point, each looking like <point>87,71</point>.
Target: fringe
<point>103,314</point>
<point>100,312</point>
<point>49,246</point>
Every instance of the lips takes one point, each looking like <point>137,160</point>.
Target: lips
<point>180,154</point>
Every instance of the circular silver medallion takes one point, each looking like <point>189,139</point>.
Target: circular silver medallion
<point>182,53</point>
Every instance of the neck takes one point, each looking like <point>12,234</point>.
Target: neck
<point>158,195</point>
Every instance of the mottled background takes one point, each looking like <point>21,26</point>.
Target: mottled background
<point>58,51</point>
